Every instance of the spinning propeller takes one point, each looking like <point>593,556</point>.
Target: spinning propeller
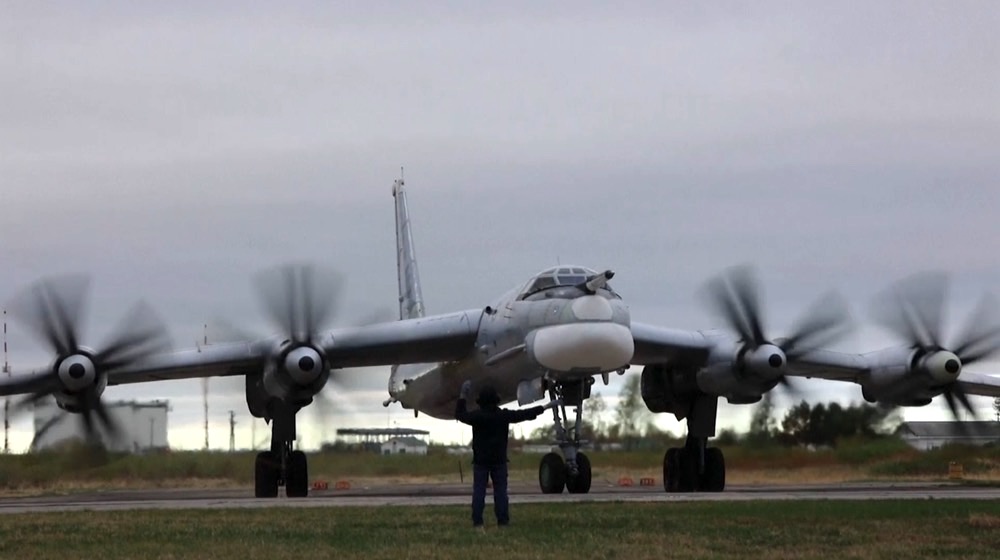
<point>300,300</point>
<point>914,310</point>
<point>735,295</point>
<point>53,309</point>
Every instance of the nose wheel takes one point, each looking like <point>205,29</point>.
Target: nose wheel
<point>570,469</point>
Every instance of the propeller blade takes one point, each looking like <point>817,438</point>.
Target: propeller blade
<point>980,337</point>
<point>38,394</point>
<point>137,336</point>
<point>721,298</point>
<point>298,299</point>
<point>48,425</point>
<point>747,291</point>
<point>792,389</point>
<point>825,322</point>
<point>963,399</point>
<point>52,308</point>
<point>914,309</point>
<point>110,425</point>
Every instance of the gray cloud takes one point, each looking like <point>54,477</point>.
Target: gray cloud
<point>174,151</point>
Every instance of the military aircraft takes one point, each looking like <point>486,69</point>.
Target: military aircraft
<point>552,336</point>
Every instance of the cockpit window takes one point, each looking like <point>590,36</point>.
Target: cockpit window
<point>559,277</point>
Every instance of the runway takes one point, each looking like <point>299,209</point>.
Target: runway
<point>454,494</point>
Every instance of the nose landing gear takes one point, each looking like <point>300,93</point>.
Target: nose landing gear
<point>570,470</point>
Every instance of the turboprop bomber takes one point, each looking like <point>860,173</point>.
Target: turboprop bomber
<point>552,337</point>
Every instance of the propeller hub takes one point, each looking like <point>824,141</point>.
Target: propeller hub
<point>767,360</point>
<point>76,373</point>
<point>775,360</point>
<point>943,366</point>
<point>304,365</point>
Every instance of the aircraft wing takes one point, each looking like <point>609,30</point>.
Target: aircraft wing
<point>657,345</point>
<point>826,364</point>
<point>980,384</point>
<point>438,338</point>
<point>839,366</point>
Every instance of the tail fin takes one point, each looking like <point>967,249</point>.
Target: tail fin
<point>411,299</point>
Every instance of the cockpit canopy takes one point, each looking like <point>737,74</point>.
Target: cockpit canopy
<point>560,277</point>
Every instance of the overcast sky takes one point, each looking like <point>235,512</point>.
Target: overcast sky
<point>174,150</point>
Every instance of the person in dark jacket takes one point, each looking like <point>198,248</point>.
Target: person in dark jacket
<point>490,426</point>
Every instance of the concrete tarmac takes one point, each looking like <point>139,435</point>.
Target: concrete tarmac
<point>455,494</point>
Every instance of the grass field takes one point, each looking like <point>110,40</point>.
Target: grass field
<point>83,468</point>
<point>819,529</point>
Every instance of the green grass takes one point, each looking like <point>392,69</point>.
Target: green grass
<point>817,529</point>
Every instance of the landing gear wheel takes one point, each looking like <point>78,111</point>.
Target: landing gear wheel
<point>688,479</point>
<point>672,470</point>
<point>580,483</point>
<point>266,471</point>
<point>552,474</point>
<point>714,477</point>
<point>297,481</point>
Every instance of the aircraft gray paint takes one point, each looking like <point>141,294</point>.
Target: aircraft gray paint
<point>553,335</point>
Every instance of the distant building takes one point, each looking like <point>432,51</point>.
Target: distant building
<point>400,445</point>
<point>931,435</point>
<point>372,439</point>
<point>143,425</point>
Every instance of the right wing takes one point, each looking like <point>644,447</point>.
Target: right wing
<point>659,345</point>
<point>437,338</point>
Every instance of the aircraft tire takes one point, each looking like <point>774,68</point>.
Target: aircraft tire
<point>297,480</point>
<point>266,470</point>
<point>672,470</point>
<point>580,484</point>
<point>687,473</point>
<point>714,477</point>
<point>552,474</point>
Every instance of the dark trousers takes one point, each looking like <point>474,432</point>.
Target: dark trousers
<point>501,504</point>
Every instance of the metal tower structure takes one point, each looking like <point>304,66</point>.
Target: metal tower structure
<point>6,402</point>
<point>232,431</point>
<point>204,388</point>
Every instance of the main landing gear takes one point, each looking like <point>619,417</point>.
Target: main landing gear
<point>283,465</point>
<point>694,467</point>
<point>570,470</point>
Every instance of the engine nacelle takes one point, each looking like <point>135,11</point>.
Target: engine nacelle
<point>739,373</point>
<point>73,401</point>
<point>908,376</point>
<point>666,389</point>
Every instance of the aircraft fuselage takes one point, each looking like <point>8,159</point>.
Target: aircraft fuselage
<point>557,333</point>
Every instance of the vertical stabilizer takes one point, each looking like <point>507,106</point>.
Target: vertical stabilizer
<point>411,299</point>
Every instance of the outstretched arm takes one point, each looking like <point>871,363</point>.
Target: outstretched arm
<point>461,411</point>
<point>515,416</point>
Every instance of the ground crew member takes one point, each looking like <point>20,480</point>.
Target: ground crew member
<point>490,426</point>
